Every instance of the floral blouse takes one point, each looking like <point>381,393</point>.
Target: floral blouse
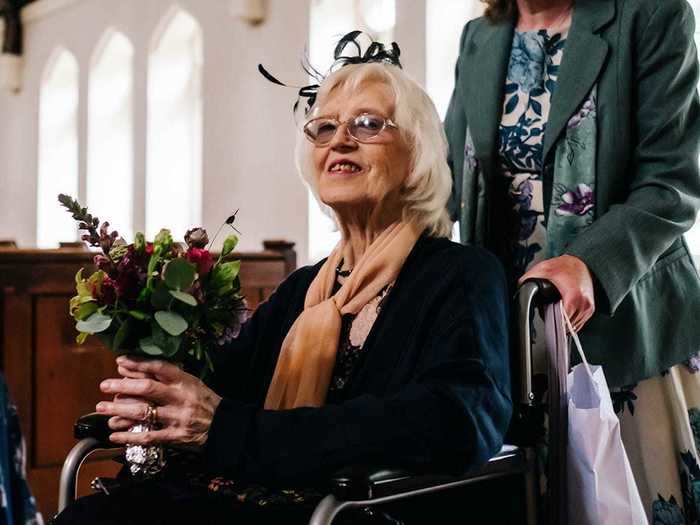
<point>531,80</point>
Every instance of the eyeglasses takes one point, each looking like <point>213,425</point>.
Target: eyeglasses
<point>362,128</point>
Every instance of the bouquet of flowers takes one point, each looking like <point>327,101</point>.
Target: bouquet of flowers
<point>158,299</point>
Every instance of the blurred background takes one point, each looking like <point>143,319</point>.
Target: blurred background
<point>153,114</point>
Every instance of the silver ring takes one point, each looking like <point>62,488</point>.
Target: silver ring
<point>151,415</point>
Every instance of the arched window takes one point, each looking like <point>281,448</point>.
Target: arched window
<point>58,149</point>
<point>174,165</point>
<point>444,21</point>
<point>330,20</point>
<point>110,146</point>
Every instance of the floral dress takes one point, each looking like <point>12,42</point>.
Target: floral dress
<point>532,78</point>
<point>660,416</point>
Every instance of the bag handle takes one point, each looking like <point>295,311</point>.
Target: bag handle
<point>577,342</point>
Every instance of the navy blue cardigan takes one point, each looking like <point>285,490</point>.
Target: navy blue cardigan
<point>432,391</point>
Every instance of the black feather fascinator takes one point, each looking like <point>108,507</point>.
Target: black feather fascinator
<point>348,51</point>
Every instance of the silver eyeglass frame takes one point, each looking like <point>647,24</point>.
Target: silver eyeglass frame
<point>388,123</point>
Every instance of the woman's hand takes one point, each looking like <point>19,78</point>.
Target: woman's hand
<point>575,284</point>
<point>184,405</point>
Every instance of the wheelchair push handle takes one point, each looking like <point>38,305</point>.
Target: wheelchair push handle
<point>533,292</point>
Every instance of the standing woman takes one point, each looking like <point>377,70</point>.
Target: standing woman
<point>574,130</point>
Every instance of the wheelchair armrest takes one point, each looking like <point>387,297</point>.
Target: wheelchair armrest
<point>366,482</point>
<point>357,482</point>
<point>94,426</point>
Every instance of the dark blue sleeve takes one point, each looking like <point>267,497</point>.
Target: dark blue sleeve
<point>452,415</point>
<point>232,363</point>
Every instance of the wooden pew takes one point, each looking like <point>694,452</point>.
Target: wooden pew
<point>52,379</point>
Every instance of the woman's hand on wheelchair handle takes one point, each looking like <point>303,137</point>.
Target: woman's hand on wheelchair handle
<point>572,278</point>
<point>185,406</point>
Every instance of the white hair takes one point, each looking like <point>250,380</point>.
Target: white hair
<point>428,186</point>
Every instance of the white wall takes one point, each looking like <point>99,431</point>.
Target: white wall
<point>248,127</point>
<point>249,131</point>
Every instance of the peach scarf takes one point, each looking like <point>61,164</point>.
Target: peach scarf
<point>305,365</point>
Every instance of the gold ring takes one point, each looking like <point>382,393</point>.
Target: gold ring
<point>151,415</point>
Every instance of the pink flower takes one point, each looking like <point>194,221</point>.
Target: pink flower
<point>102,262</point>
<point>201,258</point>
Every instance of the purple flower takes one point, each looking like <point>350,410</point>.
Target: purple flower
<point>586,109</point>
<point>523,195</point>
<point>470,159</point>
<point>239,317</point>
<point>577,202</point>
<point>107,238</point>
<point>693,364</point>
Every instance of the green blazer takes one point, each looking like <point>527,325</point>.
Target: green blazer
<point>640,57</point>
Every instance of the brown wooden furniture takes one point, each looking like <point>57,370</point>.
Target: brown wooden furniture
<point>53,380</point>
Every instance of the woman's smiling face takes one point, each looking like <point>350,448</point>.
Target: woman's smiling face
<point>363,175</point>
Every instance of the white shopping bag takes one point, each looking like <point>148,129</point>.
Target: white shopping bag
<point>601,487</point>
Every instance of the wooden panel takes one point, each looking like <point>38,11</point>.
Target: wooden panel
<point>266,293</point>
<point>17,349</point>
<point>67,372</point>
<point>252,296</point>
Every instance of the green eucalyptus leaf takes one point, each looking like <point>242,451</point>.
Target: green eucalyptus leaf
<point>121,335</point>
<point>184,297</point>
<point>229,245</point>
<point>160,297</point>
<point>149,347</point>
<point>172,346</point>
<point>179,274</point>
<point>173,323</point>
<point>167,343</point>
<point>96,323</point>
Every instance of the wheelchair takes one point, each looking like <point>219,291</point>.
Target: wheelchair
<point>365,486</point>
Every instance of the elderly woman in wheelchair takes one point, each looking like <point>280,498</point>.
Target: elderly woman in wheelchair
<point>392,351</point>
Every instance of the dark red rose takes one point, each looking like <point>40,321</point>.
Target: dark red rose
<point>201,258</point>
<point>130,275</point>
<point>109,292</point>
<point>149,248</point>
<point>196,238</point>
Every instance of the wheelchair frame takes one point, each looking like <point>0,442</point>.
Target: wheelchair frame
<point>366,486</point>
